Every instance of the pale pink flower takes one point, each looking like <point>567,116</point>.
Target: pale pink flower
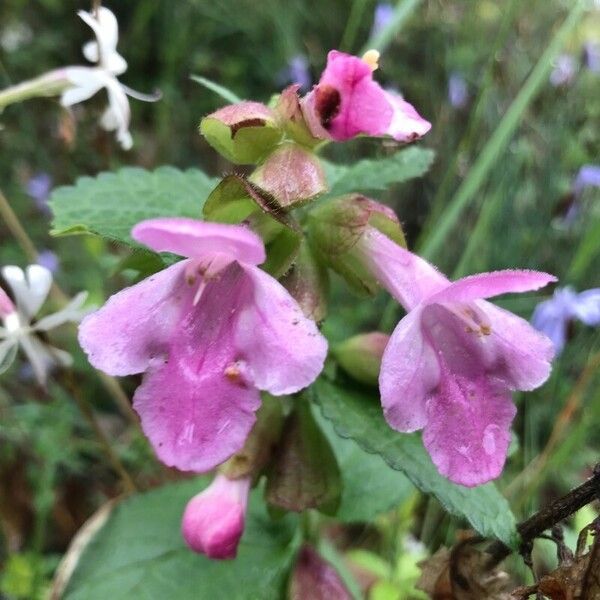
<point>454,359</point>
<point>347,102</point>
<point>208,333</point>
<point>213,520</point>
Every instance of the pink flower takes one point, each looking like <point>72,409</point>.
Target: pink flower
<point>208,333</point>
<point>213,521</point>
<point>453,360</point>
<point>347,102</point>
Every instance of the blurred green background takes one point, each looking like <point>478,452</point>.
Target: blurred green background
<point>461,63</point>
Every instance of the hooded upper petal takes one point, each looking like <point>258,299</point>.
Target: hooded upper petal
<point>136,324</point>
<point>196,401</point>
<point>283,349</point>
<point>487,285</point>
<point>199,239</point>
<point>409,372</point>
<point>468,427</point>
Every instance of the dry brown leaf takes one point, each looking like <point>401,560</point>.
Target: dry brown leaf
<point>460,574</point>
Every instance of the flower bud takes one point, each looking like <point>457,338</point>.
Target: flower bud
<point>289,111</point>
<point>291,175</point>
<point>313,577</point>
<point>213,521</point>
<point>244,133</point>
<point>360,356</point>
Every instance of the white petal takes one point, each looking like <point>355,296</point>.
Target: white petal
<point>31,289</point>
<point>104,51</point>
<point>90,51</point>
<point>71,312</point>
<point>86,82</point>
<point>120,114</point>
<point>39,357</point>
<point>8,351</point>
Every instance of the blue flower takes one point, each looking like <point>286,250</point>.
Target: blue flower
<point>296,71</point>
<point>552,316</point>
<point>384,12</point>
<point>458,92</point>
<point>38,189</point>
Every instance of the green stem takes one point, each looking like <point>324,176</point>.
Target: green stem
<point>382,40</point>
<point>487,159</point>
<point>49,84</point>
<point>349,37</point>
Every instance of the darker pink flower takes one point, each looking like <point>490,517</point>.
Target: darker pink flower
<point>213,521</point>
<point>347,102</point>
<point>453,360</point>
<point>208,333</point>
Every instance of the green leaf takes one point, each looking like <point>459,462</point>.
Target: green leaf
<point>378,174</point>
<point>357,415</point>
<point>369,487</point>
<point>139,553</point>
<point>112,203</point>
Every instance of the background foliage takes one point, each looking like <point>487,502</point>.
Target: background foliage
<point>512,172</point>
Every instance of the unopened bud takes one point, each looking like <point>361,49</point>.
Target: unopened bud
<point>291,175</point>
<point>244,133</point>
<point>360,356</point>
<point>213,521</point>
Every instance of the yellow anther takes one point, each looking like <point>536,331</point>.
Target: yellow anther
<point>371,57</point>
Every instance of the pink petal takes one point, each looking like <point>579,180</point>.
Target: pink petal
<point>409,372</point>
<point>468,428</point>
<point>487,285</point>
<point>406,276</point>
<point>283,349</point>
<point>213,521</point>
<point>522,355</point>
<point>407,125</point>
<point>6,305</point>
<point>135,325</point>
<point>195,404</point>
<point>347,101</point>
<point>198,239</point>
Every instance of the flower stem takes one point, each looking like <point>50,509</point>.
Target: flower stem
<point>88,413</point>
<point>49,84</point>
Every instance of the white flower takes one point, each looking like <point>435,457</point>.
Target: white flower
<point>30,289</point>
<point>87,81</point>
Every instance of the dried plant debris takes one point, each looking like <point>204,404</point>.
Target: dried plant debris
<point>461,574</point>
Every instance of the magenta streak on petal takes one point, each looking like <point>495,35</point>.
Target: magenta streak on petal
<point>468,427</point>
<point>198,239</point>
<point>193,408</point>
<point>136,325</point>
